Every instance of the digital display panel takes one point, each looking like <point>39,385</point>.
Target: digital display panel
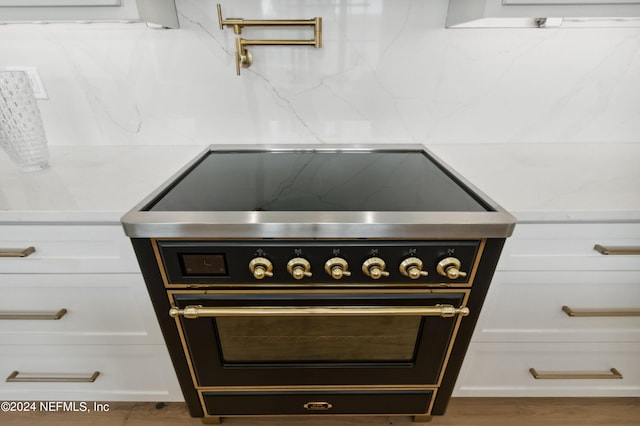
<point>207,264</point>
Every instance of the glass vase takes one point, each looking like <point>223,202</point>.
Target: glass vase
<point>21,131</point>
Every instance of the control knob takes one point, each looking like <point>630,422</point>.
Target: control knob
<point>299,268</point>
<point>412,267</point>
<point>450,268</point>
<point>374,268</point>
<point>337,268</point>
<point>261,267</point>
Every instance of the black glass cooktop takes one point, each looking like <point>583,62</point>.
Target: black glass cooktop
<point>317,181</point>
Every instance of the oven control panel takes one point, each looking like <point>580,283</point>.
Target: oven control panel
<point>328,263</point>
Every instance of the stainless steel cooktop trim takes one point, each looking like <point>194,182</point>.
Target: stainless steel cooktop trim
<point>318,224</point>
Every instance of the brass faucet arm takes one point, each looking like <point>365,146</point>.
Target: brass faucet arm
<point>245,42</point>
<point>239,23</point>
<point>243,57</point>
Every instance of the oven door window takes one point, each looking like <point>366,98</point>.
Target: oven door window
<point>241,341</point>
<point>310,339</point>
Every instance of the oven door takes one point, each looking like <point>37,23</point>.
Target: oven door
<point>318,339</point>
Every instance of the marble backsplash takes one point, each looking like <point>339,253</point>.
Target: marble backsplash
<point>388,72</point>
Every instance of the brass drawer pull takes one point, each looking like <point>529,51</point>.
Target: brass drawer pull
<point>615,374</point>
<point>617,250</point>
<point>13,377</point>
<point>16,252</point>
<point>193,312</point>
<point>33,315</point>
<point>318,405</point>
<point>570,312</point>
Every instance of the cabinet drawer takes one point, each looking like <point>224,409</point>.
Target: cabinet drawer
<point>67,249</point>
<point>126,373</point>
<point>527,306</point>
<point>348,402</point>
<point>100,309</point>
<point>502,369</point>
<point>570,247</point>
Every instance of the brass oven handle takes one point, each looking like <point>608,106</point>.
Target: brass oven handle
<point>33,315</point>
<point>318,405</point>
<point>570,312</point>
<point>615,374</point>
<point>617,250</point>
<point>192,312</point>
<point>13,377</point>
<point>16,252</point>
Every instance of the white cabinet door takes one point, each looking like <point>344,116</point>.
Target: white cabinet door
<point>67,249</point>
<point>524,13</point>
<point>160,12</point>
<point>125,373</point>
<point>503,369</point>
<point>527,306</point>
<point>99,309</point>
<point>570,247</point>
<point>54,3</point>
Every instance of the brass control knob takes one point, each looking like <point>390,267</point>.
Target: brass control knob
<point>412,267</point>
<point>337,268</point>
<point>299,268</point>
<point>261,267</point>
<point>450,268</point>
<point>374,268</point>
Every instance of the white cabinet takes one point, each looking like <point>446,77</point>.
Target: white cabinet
<point>66,247</point>
<point>160,12</point>
<point>58,3</point>
<point>503,369</point>
<point>125,373</point>
<point>93,309</point>
<point>75,306</point>
<point>525,13</point>
<point>546,273</point>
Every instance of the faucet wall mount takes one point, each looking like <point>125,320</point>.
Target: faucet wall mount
<point>244,58</point>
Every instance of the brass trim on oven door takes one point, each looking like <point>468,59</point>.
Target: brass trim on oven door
<point>434,387</point>
<point>197,311</point>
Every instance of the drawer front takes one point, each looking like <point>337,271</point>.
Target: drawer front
<point>503,369</point>
<point>528,306</point>
<point>67,249</point>
<point>126,373</point>
<point>100,309</point>
<point>352,402</point>
<point>570,247</point>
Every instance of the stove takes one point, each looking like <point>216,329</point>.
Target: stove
<point>319,280</point>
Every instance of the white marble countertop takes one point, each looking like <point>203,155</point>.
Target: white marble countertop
<point>535,182</point>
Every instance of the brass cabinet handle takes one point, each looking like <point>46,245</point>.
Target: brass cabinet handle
<point>570,312</point>
<point>615,374</point>
<point>318,405</point>
<point>33,315</point>
<point>192,312</point>
<point>617,250</point>
<point>13,377</point>
<point>16,252</point>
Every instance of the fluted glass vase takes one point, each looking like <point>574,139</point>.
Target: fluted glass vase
<point>21,131</point>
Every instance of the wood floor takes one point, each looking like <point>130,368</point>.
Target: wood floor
<point>461,412</point>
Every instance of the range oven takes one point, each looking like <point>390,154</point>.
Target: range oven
<point>282,288</point>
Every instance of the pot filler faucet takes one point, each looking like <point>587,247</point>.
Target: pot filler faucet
<point>244,58</point>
